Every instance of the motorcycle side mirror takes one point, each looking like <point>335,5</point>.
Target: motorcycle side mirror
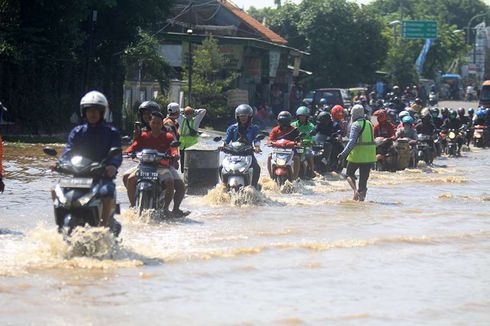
<point>114,151</point>
<point>265,133</point>
<point>260,137</point>
<point>217,139</point>
<point>313,133</point>
<point>175,143</point>
<point>50,151</point>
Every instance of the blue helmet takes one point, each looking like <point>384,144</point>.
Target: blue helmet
<point>481,113</point>
<point>323,101</point>
<point>407,119</point>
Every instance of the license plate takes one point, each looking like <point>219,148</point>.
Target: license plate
<point>147,175</point>
<point>76,183</point>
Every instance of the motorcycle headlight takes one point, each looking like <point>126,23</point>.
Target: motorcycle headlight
<point>478,135</point>
<point>148,157</point>
<point>452,135</point>
<point>281,161</point>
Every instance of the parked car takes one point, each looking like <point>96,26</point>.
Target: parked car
<point>333,96</point>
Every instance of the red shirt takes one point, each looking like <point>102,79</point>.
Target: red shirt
<point>160,143</point>
<point>1,154</point>
<point>289,134</point>
<point>385,130</point>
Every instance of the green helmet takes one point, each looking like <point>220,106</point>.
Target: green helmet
<point>302,110</point>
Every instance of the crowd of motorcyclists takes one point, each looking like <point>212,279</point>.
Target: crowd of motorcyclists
<point>388,133</point>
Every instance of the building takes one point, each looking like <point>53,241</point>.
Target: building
<point>258,55</point>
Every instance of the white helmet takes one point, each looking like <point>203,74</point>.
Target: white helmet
<point>173,108</point>
<point>94,99</point>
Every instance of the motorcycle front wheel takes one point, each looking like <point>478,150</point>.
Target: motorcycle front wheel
<point>144,201</point>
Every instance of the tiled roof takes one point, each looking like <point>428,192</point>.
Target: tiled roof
<point>250,21</point>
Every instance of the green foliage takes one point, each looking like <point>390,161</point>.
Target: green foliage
<point>44,47</point>
<point>144,52</point>
<point>346,44</point>
<point>210,79</point>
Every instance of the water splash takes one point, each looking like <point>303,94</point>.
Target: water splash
<point>247,196</point>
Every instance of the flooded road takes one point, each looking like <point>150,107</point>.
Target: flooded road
<point>417,251</point>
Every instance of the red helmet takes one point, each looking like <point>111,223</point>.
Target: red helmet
<point>337,112</point>
<point>381,115</point>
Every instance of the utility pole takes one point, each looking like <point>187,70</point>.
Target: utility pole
<point>189,33</point>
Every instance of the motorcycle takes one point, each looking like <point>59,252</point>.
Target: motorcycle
<point>480,136</point>
<point>453,136</point>
<point>433,99</point>
<point>386,155</point>
<point>236,168</point>
<point>150,192</point>
<point>77,199</point>
<point>407,153</point>
<point>471,94</point>
<point>324,152</point>
<point>282,160</point>
<point>425,149</point>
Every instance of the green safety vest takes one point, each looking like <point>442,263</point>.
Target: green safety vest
<point>365,149</point>
<point>305,129</point>
<point>186,140</point>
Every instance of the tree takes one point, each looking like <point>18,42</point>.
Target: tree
<point>346,44</point>
<point>210,79</point>
<point>45,47</point>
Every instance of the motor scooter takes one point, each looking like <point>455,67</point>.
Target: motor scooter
<point>77,195</point>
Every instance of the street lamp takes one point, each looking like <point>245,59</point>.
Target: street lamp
<point>468,28</point>
<point>189,32</point>
<point>394,24</point>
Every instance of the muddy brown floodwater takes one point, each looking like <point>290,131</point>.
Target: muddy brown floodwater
<point>416,252</point>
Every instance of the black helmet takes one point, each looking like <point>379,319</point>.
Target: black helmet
<point>452,114</point>
<point>323,116</point>
<point>471,111</point>
<point>284,118</point>
<point>418,101</point>
<point>244,110</point>
<point>434,112</point>
<point>461,112</point>
<point>151,106</point>
<point>444,111</point>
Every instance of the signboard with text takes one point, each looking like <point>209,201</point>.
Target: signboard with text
<point>419,29</point>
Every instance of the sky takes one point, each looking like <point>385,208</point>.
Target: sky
<point>245,4</point>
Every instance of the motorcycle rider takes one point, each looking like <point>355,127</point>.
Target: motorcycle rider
<point>244,129</point>
<point>417,105</point>
<point>93,140</point>
<point>360,151</point>
<point>453,122</point>
<point>160,141</point>
<point>434,112</point>
<point>339,124</point>
<point>189,122</point>
<point>284,130</point>
<point>384,128</point>
<point>444,114</point>
<point>407,131</point>
<point>426,126</point>
<point>171,121</point>
<point>466,121</point>
<point>471,113</point>
<point>144,114</point>
<point>305,128</point>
